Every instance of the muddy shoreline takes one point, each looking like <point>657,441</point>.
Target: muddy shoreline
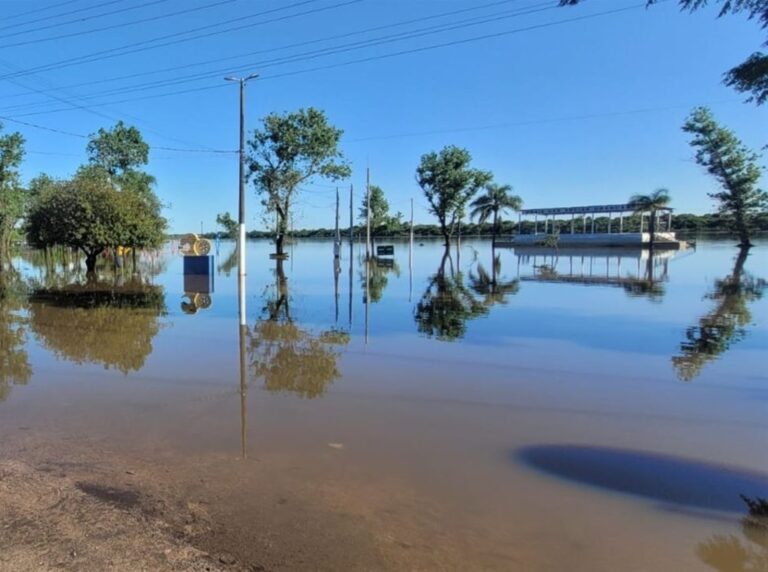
<point>81,504</point>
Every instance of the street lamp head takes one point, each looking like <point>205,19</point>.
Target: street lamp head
<point>241,79</point>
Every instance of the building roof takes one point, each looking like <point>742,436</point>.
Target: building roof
<point>627,207</point>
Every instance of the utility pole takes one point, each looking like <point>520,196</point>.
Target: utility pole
<point>368,213</point>
<point>351,216</point>
<point>337,243</point>
<point>411,223</point>
<point>241,206</point>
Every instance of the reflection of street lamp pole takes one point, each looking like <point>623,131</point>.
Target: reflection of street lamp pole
<point>241,209</point>
<point>243,329</point>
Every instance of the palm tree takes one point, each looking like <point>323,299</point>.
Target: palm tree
<point>652,203</point>
<point>495,200</point>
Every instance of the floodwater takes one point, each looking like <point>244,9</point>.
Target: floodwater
<point>551,410</point>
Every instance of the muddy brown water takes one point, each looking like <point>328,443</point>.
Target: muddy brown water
<point>556,410</point>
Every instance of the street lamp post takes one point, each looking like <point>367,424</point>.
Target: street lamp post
<point>241,210</point>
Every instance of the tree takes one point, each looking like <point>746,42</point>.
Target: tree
<point>652,203</point>
<point>89,214</point>
<point>495,200</point>
<point>448,183</point>
<point>12,195</point>
<point>229,224</point>
<point>734,166</point>
<point>288,151</point>
<point>381,221</point>
<point>118,150</point>
<point>751,76</point>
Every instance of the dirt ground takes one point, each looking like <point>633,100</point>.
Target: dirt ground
<point>79,504</point>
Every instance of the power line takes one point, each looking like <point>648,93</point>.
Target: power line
<point>542,121</point>
<point>126,49</point>
<point>37,10</point>
<point>284,47</point>
<point>380,56</point>
<point>331,50</point>
<point>82,136</point>
<point>116,26</point>
<point>45,19</point>
<point>78,20</point>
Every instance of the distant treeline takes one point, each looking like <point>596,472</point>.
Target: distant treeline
<point>681,222</point>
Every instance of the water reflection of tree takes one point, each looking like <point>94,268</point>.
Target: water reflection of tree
<point>286,356</point>
<point>229,264</point>
<point>729,553</point>
<point>493,290</point>
<point>99,322</point>
<point>447,304</point>
<point>378,275</point>
<point>14,361</point>
<point>647,286</point>
<point>724,325</point>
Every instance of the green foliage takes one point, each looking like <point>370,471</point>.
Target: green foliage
<point>751,77</point>
<point>229,224</point>
<point>108,203</point>
<point>90,214</point>
<point>651,203</point>
<point>733,165</point>
<point>12,195</point>
<point>118,150</point>
<point>290,150</point>
<point>449,183</point>
<point>382,224</point>
<point>495,201</point>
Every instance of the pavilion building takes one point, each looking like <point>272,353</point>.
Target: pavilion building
<point>576,226</point>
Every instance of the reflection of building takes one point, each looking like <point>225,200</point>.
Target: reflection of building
<point>606,266</point>
<point>579,226</point>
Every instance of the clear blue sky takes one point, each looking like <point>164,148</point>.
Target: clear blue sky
<point>568,108</point>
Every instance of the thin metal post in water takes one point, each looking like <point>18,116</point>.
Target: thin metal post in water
<point>368,213</point>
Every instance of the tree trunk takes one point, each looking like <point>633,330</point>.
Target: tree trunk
<point>279,244</point>
<point>90,262</point>
<point>652,229</point>
<point>741,227</point>
<point>495,230</point>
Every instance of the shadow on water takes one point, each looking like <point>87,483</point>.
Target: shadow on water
<point>287,357</point>
<point>100,322</point>
<point>724,325</point>
<point>674,481</point>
